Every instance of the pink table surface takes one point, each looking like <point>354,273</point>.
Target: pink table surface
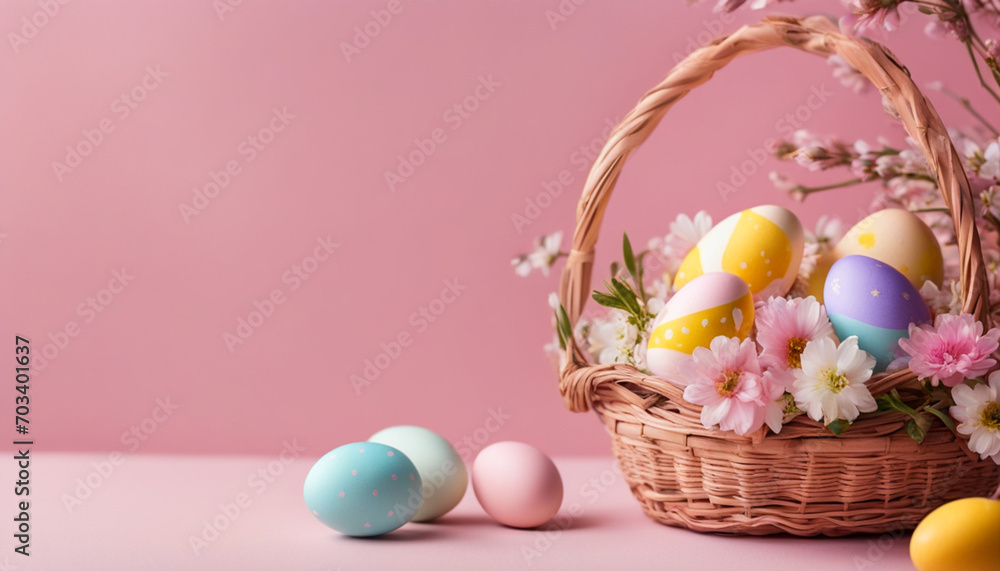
<point>143,514</point>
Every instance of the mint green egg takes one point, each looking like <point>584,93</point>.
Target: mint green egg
<point>442,471</point>
<point>878,342</point>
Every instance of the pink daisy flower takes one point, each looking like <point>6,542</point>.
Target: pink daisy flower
<point>875,14</point>
<point>776,383</point>
<point>953,350</point>
<point>785,326</point>
<point>727,380</point>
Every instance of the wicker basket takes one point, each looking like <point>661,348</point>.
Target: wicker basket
<point>804,481</point>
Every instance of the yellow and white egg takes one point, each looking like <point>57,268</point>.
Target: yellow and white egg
<point>762,245</point>
<point>895,237</point>
<point>716,303</point>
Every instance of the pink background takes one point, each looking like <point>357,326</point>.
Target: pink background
<point>162,336</point>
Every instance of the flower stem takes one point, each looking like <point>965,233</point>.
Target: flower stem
<point>979,74</point>
<point>989,217</point>
<point>938,209</point>
<point>807,190</point>
<point>934,5</point>
<point>964,102</point>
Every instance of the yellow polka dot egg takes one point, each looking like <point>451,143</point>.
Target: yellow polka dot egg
<point>762,245</point>
<point>716,303</point>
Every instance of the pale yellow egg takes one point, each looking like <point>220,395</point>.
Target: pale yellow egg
<point>900,239</point>
<point>817,279</point>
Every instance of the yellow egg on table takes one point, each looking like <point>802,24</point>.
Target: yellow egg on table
<point>963,535</point>
<point>762,245</point>
<point>716,303</point>
<point>900,239</point>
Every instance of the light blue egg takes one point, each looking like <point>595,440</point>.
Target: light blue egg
<point>363,489</point>
<point>876,341</point>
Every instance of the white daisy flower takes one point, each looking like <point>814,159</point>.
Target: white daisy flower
<point>554,302</point>
<point>991,163</point>
<point>831,383</point>
<point>545,254</point>
<point>977,409</point>
<point>829,230</point>
<point>615,340</point>
<point>546,251</point>
<point>686,232</point>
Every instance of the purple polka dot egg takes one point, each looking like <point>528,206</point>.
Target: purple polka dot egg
<point>363,489</point>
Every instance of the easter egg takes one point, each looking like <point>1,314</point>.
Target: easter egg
<point>899,238</point>
<point>817,279</point>
<point>762,245</point>
<point>441,469</point>
<point>363,489</point>
<point>963,535</point>
<point>870,299</point>
<point>517,484</point>
<point>713,304</point>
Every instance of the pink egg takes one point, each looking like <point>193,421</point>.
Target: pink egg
<point>517,484</point>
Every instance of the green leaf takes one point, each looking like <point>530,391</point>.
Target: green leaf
<point>564,329</point>
<point>614,269</point>
<point>838,426</point>
<point>629,258</point>
<point>559,333</point>
<point>609,301</point>
<point>639,259</point>
<point>625,293</point>
<point>634,265</point>
<point>618,288</point>
<point>918,424</point>
<point>944,418</point>
<point>903,407</point>
<point>915,431</point>
<point>891,401</point>
<point>884,404</point>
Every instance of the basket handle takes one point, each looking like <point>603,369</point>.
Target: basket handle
<point>814,34</point>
